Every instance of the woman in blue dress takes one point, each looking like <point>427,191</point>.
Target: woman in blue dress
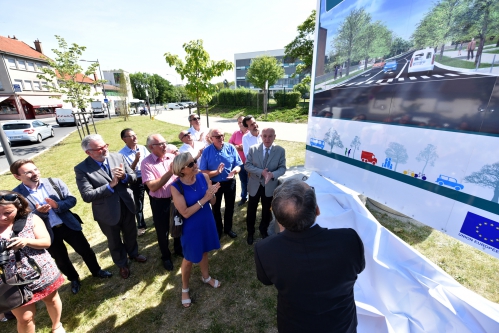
<point>199,233</point>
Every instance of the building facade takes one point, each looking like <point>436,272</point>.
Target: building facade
<point>242,62</point>
<point>22,94</point>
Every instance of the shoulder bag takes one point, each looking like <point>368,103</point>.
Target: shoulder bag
<point>14,291</point>
<point>176,220</point>
<point>58,190</point>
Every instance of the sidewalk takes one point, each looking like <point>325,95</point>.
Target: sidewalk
<point>284,131</point>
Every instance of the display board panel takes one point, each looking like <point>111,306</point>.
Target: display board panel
<point>405,110</point>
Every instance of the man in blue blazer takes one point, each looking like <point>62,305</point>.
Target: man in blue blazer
<point>313,269</point>
<point>46,202</point>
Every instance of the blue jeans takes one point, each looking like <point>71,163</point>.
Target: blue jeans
<point>243,177</point>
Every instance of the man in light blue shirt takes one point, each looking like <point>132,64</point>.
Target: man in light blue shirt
<point>134,154</point>
<point>221,162</point>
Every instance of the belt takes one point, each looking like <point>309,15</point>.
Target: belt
<point>57,226</point>
<point>159,199</point>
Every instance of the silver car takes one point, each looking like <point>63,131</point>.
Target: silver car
<point>27,130</point>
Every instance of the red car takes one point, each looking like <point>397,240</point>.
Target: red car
<point>379,64</point>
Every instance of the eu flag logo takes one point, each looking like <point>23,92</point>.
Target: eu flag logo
<point>481,229</point>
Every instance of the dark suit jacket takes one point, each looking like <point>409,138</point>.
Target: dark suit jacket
<point>314,272</point>
<point>276,164</point>
<point>92,183</point>
<point>65,204</point>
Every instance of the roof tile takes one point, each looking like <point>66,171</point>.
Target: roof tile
<point>17,47</point>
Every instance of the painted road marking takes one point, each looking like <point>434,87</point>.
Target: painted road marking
<point>436,75</point>
<point>359,83</point>
<point>401,79</point>
<point>412,78</point>
<point>379,81</point>
<point>425,77</point>
<point>450,74</point>
<point>402,70</point>
<point>389,80</point>
<point>350,84</point>
<point>368,82</point>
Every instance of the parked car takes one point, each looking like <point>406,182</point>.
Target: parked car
<point>390,66</point>
<point>422,61</point>
<point>66,117</point>
<point>27,130</point>
<point>1,147</point>
<point>172,106</point>
<point>379,64</point>
<point>449,181</point>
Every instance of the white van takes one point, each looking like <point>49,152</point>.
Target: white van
<point>172,106</point>
<point>422,61</point>
<point>66,117</point>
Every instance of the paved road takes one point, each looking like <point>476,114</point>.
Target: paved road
<point>284,131</point>
<point>29,150</point>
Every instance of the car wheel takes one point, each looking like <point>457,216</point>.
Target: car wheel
<point>458,188</point>
<point>374,163</point>
<point>52,133</point>
<point>39,138</point>
<point>441,183</point>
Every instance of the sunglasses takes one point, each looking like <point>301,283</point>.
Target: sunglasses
<point>100,148</point>
<point>190,165</point>
<point>195,118</point>
<point>218,136</point>
<point>188,134</point>
<point>9,197</point>
<point>161,144</point>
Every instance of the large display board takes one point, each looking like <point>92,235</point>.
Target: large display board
<point>406,109</point>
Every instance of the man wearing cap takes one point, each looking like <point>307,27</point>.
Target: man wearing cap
<point>199,133</point>
<point>195,148</point>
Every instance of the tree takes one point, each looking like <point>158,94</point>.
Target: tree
<point>332,138</point>
<point>428,156</point>
<point>302,47</point>
<point>488,176</point>
<point>199,69</point>
<point>355,145</point>
<point>303,87</point>
<point>181,94</point>
<point>374,42</point>
<point>349,35</point>
<point>69,74</point>
<point>397,153</point>
<point>399,46</point>
<point>264,69</point>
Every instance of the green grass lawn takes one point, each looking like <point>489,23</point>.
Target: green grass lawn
<point>453,62</point>
<point>149,301</point>
<point>299,114</point>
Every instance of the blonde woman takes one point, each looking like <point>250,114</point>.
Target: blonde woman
<point>199,234</point>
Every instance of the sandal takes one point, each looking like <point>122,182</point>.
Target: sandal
<point>59,329</point>
<point>186,303</point>
<point>216,284</point>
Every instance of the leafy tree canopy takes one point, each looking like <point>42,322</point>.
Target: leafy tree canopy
<point>65,69</point>
<point>302,47</point>
<point>264,68</point>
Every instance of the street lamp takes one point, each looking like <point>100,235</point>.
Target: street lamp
<point>103,89</point>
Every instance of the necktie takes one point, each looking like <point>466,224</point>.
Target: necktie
<point>266,158</point>
<point>106,169</point>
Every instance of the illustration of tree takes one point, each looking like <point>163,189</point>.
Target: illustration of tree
<point>397,153</point>
<point>374,42</point>
<point>349,34</point>
<point>488,176</point>
<point>428,156</point>
<point>332,138</point>
<point>355,145</point>
<point>302,47</point>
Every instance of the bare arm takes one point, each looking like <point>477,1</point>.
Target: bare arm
<point>42,237</point>
<point>181,206</point>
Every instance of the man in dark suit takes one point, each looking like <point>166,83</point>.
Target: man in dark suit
<point>265,163</point>
<point>314,269</point>
<point>52,207</point>
<point>103,179</point>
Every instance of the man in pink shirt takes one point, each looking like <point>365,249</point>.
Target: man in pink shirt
<point>158,176</point>
<point>237,140</point>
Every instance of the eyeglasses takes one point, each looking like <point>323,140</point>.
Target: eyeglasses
<point>190,165</point>
<point>195,118</point>
<point>218,136</point>
<point>9,197</point>
<point>188,134</point>
<point>100,148</point>
<point>130,136</point>
<point>31,172</point>
<point>161,144</point>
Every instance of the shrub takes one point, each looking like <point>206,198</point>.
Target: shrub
<point>288,100</point>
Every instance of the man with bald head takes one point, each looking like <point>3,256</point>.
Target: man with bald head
<point>265,163</point>
<point>195,148</point>
<point>157,174</point>
<point>221,162</point>
<point>313,269</point>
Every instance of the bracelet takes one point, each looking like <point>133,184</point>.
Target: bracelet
<point>200,204</point>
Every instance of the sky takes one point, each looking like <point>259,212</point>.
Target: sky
<point>134,35</point>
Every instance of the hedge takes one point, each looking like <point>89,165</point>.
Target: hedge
<point>287,100</point>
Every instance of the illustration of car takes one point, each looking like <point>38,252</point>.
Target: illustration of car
<point>449,181</point>
<point>317,143</point>
<point>390,66</point>
<point>368,157</point>
<point>422,60</point>
<point>379,64</point>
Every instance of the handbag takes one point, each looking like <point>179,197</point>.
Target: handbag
<point>58,190</point>
<point>14,291</point>
<point>176,220</point>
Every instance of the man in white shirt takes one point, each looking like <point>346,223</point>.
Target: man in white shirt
<point>195,148</point>
<point>252,137</point>
<point>199,133</point>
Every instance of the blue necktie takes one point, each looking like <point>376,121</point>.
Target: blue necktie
<point>106,169</point>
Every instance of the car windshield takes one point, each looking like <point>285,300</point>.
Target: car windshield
<point>15,126</point>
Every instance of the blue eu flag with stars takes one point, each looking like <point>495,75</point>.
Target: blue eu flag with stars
<point>482,229</point>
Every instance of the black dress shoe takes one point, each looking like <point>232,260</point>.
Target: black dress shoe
<point>124,272</point>
<point>231,234</point>
<point>264,235</point>
<point>139,258</point>
<point>178,254</point>
<point>249,239</point>
<point>242,202</point>
<point>75,286</point>
<point>168,265</point>
<point>103,274</point>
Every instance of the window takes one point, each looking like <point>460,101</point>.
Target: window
<point>37,85</point>
<point>44,84</point>
<point>27,85</point>
<point>31,66</point>
<point>12,62</point>
<point>39,67</point>
<point>21,64</point>
<point>241,78</point>
<point>1,86</point>
<point>20,83</point>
